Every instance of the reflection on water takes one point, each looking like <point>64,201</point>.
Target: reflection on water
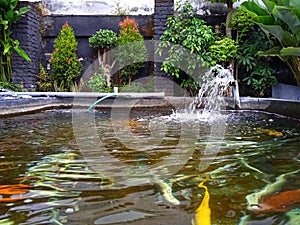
<point>46,179</point>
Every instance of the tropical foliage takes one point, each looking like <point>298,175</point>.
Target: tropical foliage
<point>281,20</point>
<point>185,31</point>
<point>8,16</point>
<point>256,71</point>
<point>65,63</point>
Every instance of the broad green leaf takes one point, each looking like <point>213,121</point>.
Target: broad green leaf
<point>290,51</point>
<point>267,20</point>
<point>22,53</point>
<point>275,30</point>
<point>285,37</point>
<point>269,5</point>
<point>271,52</point>
<point>253,8</point>
<point>24,10</point>
<point>283,2</point>
<point>289,17</point>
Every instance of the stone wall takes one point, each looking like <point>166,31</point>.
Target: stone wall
<point>27,31</point>
<point>162,10</point>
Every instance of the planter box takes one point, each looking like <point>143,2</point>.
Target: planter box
<point>284,91</point>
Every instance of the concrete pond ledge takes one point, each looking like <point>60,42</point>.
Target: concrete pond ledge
<point>18,103</point>
<point>289,108</point>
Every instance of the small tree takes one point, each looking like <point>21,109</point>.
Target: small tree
<point>103,41</point>
<point>132,52</point>
<point>65,63</point>
<point>186,30</point>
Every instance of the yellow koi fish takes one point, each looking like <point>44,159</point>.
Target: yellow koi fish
<point>203,212</point>
<point>269,132</point>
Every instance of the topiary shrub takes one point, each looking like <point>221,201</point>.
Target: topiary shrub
<point>64,61</point>
<point>103,41</point>
<point>132,52</point>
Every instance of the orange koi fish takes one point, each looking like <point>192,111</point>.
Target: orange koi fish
<point>203,212</point>
<point>13,189</point>
<point>279,202</point>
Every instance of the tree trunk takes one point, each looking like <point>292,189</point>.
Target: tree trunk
<point>228,18</point>
<point>228,29</point>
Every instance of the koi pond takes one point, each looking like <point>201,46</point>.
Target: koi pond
<point>160,174</point>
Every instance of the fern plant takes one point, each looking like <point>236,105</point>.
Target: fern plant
<point>66,66</point>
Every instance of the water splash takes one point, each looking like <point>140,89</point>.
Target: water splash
<point>214,85</point>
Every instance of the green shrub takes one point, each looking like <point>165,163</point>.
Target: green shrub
<point>132,52</point>
<point>9,86</point>
<point>223,50</point>
<point>98,83</point>
<point>65,63</point>
<point>259,75</point>
<point>103,41</point>
<point>44,81</point>
<point>185,30</point>
<point>103,38</point>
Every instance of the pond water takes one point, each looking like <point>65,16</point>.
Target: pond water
<point>46,177</point>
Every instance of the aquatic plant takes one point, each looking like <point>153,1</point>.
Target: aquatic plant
<point>132,52</point>
<point>8,16</point>
<point>64,60</point>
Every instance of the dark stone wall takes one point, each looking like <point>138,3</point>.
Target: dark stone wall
<point>27,31</point>
<point>163,9</point>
